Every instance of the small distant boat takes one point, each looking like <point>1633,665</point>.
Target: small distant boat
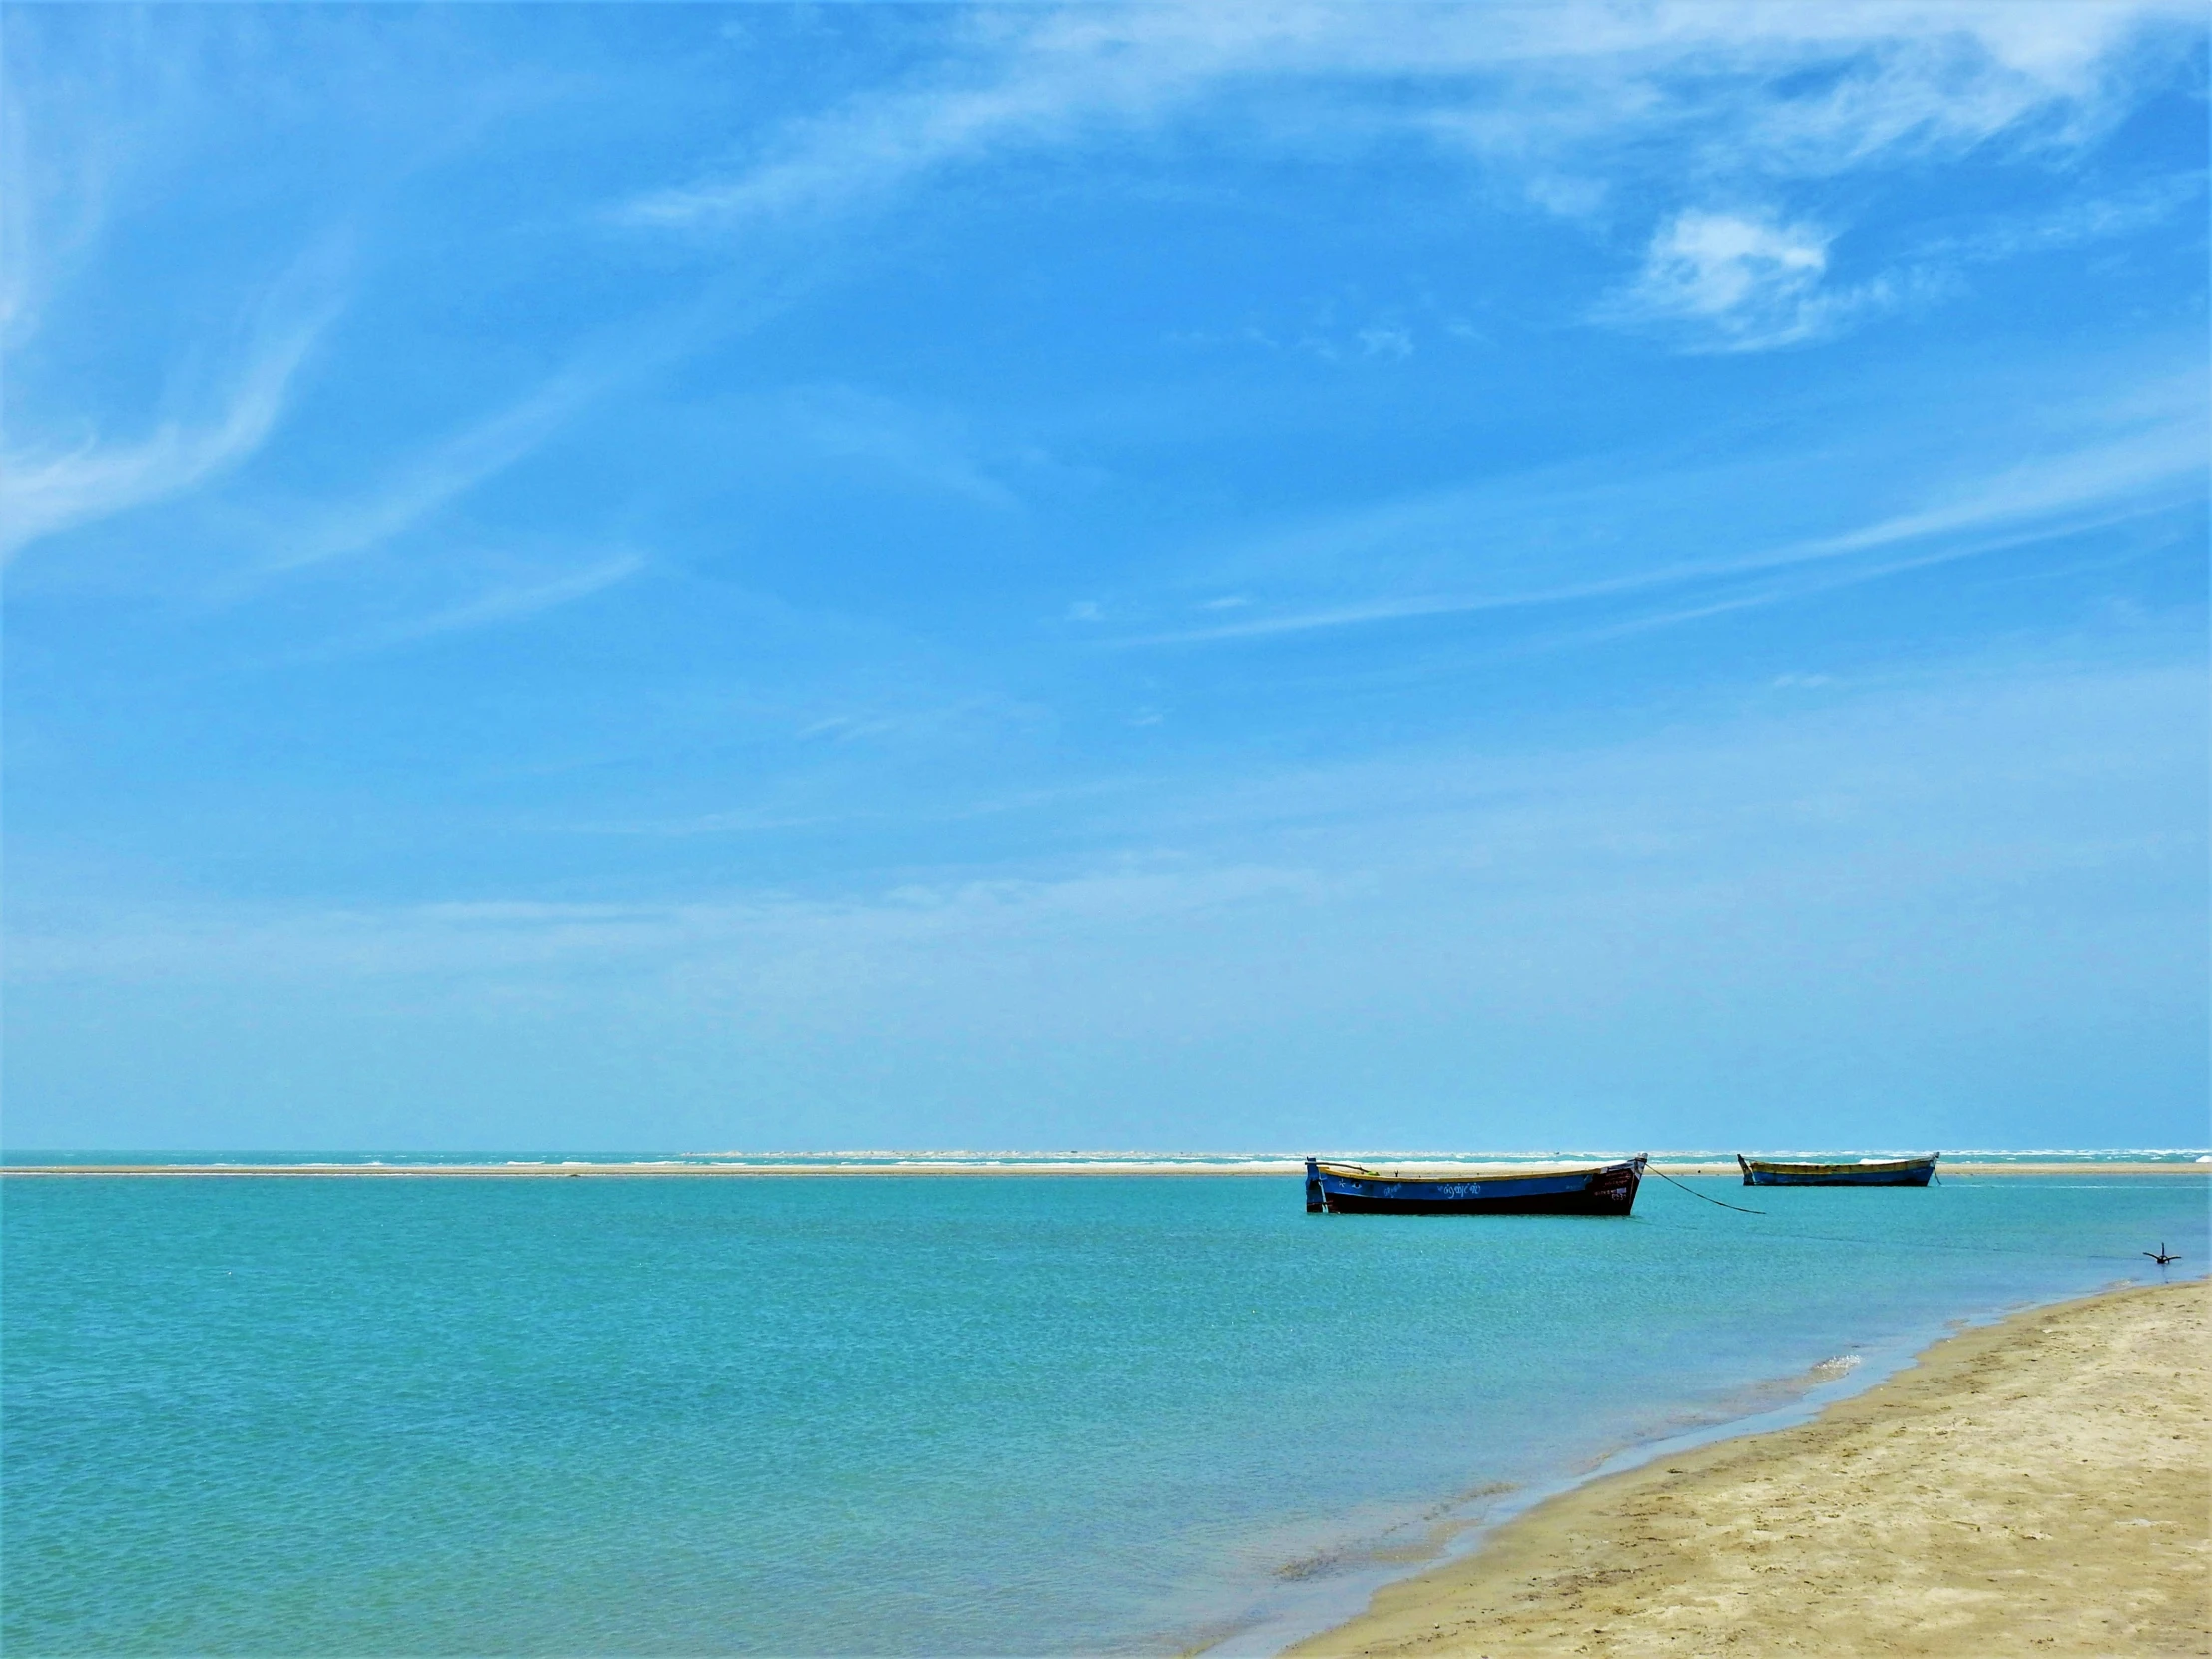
<point>1585,1190</point>
<point>1859,1172</point>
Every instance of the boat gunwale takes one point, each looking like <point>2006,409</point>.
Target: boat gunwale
<point>1777,1166</point>
<point>1474,1173</point>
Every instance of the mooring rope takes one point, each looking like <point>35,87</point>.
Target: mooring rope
<point>1694,1193</point>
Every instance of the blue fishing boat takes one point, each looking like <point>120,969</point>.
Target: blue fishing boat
<point>1582,1190</point>
<point>1859,1171</point>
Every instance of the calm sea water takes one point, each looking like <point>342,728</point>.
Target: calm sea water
<point>994,1415</point>
<point>907,1159</point>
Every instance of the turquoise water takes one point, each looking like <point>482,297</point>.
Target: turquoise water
<point>999,1414</point>
<point>1196,1161</point>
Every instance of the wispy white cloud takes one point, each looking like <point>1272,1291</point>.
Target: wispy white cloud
<point>526,599</point>
<point>1745,91</point>
<point>2030,780</point>
<point>492,607</point>
<point>1384,342</point>
<point>1561,104</point>
<point>1738,281</point>
<point>1324,337</point>
<point>53,202</point>
<point>2152,468</point>
<point>1532,88</point>
<point>95,116</point>
<point>77,132</point>
<point>1012,80</point>
<point>46,489</point>
<point>416,490</point>
<point>424,486</point>
<point>2074,223</point>
<point>1743,282</point>
<point>1958,855</point>
<point>757,819</point>
<point>931,451</point>
<point>106,123</point>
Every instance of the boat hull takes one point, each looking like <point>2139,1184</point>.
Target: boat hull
<point>1608,1189</point>
<point>1903,1172</point>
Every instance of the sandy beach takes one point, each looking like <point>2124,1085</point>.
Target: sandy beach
<point>2042,1485</point>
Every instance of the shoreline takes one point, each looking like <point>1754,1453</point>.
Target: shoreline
<point>1945,1509</point>
<point>1273,1168</point>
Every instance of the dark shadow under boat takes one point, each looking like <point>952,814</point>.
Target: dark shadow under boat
<point>1582,1190</point>
<point>1857,1172</point>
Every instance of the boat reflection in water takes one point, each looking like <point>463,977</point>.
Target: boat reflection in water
<point>1857,1172</point>
<point>1583,1190</point>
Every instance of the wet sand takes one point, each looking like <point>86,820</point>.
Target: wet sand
<point>2039,1486</point>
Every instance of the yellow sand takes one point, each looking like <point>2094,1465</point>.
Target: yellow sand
<point>2040,1487</point>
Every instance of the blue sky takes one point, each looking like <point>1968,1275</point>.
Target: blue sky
<point>831,576</point>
